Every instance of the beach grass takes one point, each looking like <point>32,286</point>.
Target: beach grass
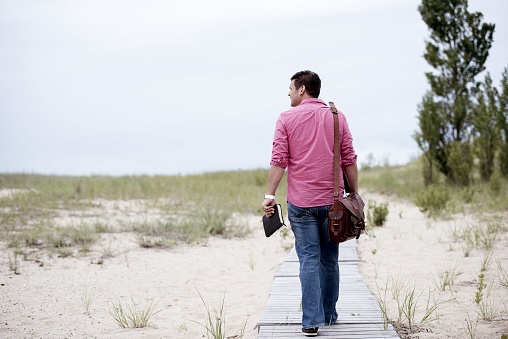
<point>438,200</point>
<point>132,314</point>
<point>188,208</point>
<point>236,190</point>
<point>215,319</point>
<point>87,300</point>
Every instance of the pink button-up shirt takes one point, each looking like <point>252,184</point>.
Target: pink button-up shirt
<point>303,143</point>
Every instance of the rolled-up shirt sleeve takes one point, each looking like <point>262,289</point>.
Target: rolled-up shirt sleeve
<point>280,147</point>
<point>348,154</point>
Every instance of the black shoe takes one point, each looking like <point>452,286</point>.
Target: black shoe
<point>310,332</point>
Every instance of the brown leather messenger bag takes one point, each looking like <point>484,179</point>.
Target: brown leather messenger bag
<point>346,219</point>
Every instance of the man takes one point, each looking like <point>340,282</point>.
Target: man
<point>303,143</point>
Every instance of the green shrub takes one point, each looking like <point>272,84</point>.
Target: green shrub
<point>377,213</point>
<point>433,200</point>
<point>460,161</point>
<point>495,184</point>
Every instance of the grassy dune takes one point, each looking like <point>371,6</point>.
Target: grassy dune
<point>41,211</point>
<point>240,190</point>
<point>441,199</point>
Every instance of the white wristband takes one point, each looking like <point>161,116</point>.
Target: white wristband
<point>269,196</point>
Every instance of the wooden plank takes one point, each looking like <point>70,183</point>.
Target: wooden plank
<point>363,331</point>
<point>296,318</point>
<point>359,314</point>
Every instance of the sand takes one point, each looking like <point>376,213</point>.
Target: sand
<point>45,299</point>
<point>414,252</point>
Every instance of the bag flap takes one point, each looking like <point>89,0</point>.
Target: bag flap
<point>335,215</point>
<point>355,205</point>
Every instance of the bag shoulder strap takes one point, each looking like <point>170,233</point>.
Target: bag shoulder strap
<point>336,151</point>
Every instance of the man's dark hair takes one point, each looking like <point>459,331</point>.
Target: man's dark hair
<point>310,80</point>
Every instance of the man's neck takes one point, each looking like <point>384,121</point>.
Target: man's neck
<point>306,96</point>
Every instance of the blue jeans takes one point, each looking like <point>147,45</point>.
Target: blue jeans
<point>319,267</point>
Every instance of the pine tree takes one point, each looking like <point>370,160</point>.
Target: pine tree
<point>458,49</point>
<point>502,123</point>
<point>430,138</point>
<point>485,127</point>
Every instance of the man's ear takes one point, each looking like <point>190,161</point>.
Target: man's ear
<point>302,90</point>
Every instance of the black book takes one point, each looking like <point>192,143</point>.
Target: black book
<point>347,189</point>
<point>273,223</point>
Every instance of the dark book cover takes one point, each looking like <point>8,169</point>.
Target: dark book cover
<point>273,223</point>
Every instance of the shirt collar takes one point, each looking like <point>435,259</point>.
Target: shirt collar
<point>312,101</point>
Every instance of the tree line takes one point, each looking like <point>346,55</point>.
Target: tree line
<point>462,121</point>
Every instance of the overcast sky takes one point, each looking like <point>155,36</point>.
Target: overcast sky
<point>178,87</point>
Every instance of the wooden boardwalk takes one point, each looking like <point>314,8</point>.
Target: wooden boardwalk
<point>359,313</point>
